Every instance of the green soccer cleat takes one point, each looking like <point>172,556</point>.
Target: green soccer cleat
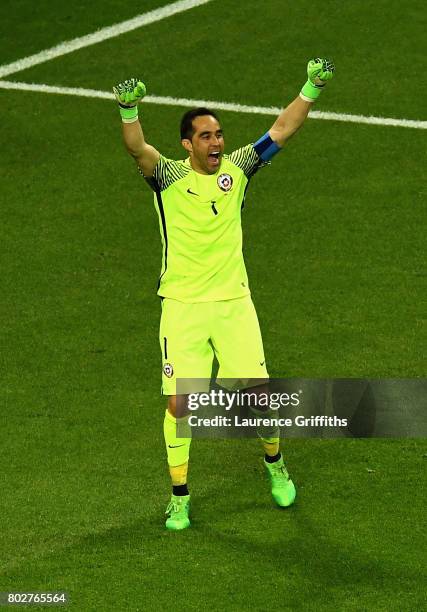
<point>282,488</point>
<point>178,510</point>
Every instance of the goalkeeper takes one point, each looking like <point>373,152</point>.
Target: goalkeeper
<point>207,310</point>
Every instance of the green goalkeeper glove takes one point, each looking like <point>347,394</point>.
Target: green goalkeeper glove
<point>128,94</point>
<point>319,71</point>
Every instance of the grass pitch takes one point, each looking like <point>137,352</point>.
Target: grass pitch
<point>334,234</point>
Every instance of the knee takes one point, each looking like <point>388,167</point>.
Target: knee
<point>260,391</point>
<point>177,405</point>
<point>172,405</point>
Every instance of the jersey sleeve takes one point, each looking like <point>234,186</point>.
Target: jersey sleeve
<point>166,172</point>
<point>247,159</point>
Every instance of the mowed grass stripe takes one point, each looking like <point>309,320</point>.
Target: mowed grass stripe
<point>214,104</point>
<point>100,35</point>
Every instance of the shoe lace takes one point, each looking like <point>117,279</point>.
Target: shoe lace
<point>175,506</point>
<point>280,474</point>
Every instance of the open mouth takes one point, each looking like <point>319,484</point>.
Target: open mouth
<point>214,157</point>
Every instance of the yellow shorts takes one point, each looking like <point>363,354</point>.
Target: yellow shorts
<point>192,334</point>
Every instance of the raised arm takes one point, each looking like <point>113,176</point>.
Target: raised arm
<point>129,94</point>
<point>319,71</point>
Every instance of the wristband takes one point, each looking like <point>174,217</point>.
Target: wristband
<point>129,113</point>
<point>310,92</point>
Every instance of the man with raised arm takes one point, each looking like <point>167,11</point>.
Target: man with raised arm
<point>207,310</point>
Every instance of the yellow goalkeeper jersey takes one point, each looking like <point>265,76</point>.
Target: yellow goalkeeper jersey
<point>200,227</point>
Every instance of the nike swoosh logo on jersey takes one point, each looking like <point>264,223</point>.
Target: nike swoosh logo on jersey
<point>192,192</point>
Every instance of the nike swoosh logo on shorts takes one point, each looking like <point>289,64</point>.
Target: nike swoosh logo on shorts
<point>179,446</point>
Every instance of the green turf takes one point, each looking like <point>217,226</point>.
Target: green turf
<point>89,525</point>
<point>29,27</point>
<point>334,236</point>
<point>256,52</point>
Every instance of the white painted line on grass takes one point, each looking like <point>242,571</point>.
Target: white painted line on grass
<point>214,105</point>
<point>52,89</point>
<point>69,46</point>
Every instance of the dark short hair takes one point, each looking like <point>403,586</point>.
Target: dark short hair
<point>187,128</point>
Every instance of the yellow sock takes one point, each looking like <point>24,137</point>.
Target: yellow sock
<point>178,474</point>
<point>271,447</point>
